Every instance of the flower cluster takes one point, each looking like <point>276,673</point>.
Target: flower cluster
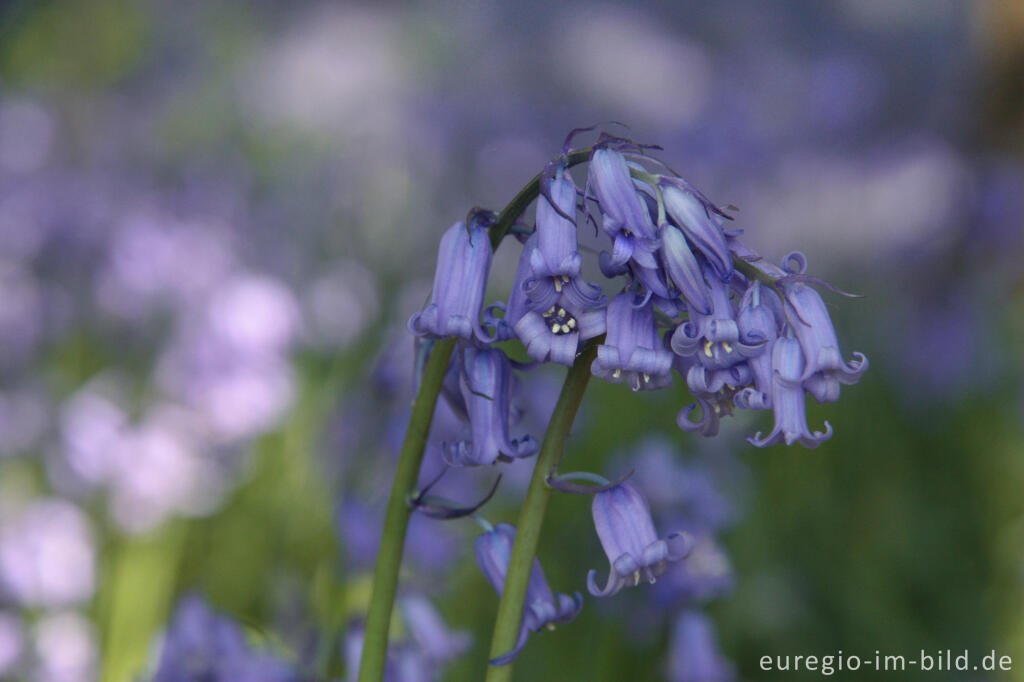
<point>684,296</point>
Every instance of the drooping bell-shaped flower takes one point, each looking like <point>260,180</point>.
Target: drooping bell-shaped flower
<point>633,351</point>
<point>699,220</point>
<point>788,399</point>
<point>555,332</point>
<point>693,651</point>
<point>684,269</point>
<point>486,383</point>
<point>758,319</point>
<point>624,525</point>
<point>825,368</point>
<point>626,218</point>
<point>713,339</point>
<point>463,262</point>
<point>555,260</point>
<point>543,607</point>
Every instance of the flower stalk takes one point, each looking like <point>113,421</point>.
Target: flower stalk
<point>531,516</point>
<point>396,521</point>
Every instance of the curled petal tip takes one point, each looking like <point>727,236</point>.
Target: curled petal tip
<point>613,585</point>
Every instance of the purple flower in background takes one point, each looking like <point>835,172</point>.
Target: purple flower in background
<point>633,350</point>
<point>693,651</point>
<point>554,333</point>
<point>463,262</point>
<point>788,399</point>
<point>825,368</point>
<point>623,521</point>
<point>706,574</point>
<point>38,544</point>
<point>626,218</point>
<point>486,383</point>
<point>699,220</point>
<point>202,645</point>
<point>429,631</point>
<point>543,607</point>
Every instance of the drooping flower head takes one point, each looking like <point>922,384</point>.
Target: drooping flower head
<point>624,525</point>
<point>543,607</point>
<point>463,263</point>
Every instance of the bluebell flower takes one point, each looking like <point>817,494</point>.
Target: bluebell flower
<point>202,645</point>
<point>714,338</point>
<point>555,260</point>
<point>699,220</point>
<point>626,218</point>
<point>788,399</point>
<point>825,368</point>
<point>486,383</point>
<point>758,319</point>
<point>543,607</point>
<point>463,262</point>
<point>684,269</point>
<point>624,525</point>
<point>553,333</point>
<point>712,405</point>
<point>693,651</point>
<point>633,350</point>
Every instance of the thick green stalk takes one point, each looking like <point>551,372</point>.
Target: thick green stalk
<point>389,557</point>
<point>531,516</point>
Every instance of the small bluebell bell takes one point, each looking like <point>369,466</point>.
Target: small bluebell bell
<point>626,218</point>
<point>463,262</point>
<point>699,220</point>
<point>555,261</point>
<point>825,368</point>
<point>758,319</point>
<point>633,350</point>
<point>713,339</point>
<point>553,333</point>
<point>684,269</point>
<point>693,652</point>
<point>624,525</point>
<point>788,399</point>
<point>543,608</point>
<point>486,383</point>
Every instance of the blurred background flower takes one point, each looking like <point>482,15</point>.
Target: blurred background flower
<point>212,222</point>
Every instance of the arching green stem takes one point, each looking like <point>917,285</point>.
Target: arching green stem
<point>531,516</point>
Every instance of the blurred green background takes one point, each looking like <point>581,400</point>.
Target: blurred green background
<point>216,216</point>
